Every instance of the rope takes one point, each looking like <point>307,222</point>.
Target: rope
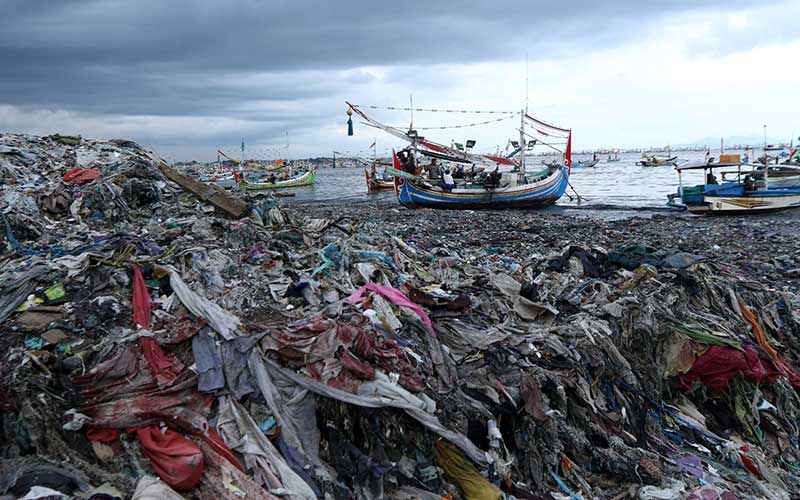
<point>431,110</point>
<point>447,127</point>
<point>580,198</point>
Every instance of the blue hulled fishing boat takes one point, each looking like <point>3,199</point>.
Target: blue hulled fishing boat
<point>463,184</point>
<point>535,191</point>
<point>741,188</point>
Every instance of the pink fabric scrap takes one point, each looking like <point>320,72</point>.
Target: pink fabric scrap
<point>396,297</point>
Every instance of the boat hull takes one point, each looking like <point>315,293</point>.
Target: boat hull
<point>547,191</point>
<point>306,179</point>
<point>377,185</point>
<point>736,205</point>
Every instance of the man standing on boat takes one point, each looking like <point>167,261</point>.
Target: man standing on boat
<point>448,184</point>
<point>434,172</point>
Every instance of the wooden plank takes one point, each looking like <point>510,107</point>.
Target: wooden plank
<point>232,206</point>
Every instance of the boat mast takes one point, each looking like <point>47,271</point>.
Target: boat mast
<point>241,161</point>
<point>522,143</point>
<point>766,160</point>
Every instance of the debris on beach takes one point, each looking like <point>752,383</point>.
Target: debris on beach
<point>162,341</point>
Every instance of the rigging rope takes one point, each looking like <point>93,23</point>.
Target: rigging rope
<point>466,125</point>
<point>431,110</point>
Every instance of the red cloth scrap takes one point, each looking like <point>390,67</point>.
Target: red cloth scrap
<point>81,175</point>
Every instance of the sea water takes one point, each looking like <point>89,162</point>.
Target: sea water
<point>609,185</point>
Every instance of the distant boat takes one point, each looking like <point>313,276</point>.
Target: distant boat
<point>774,147</point>
<point>585,164</point>
<point>375,183</point>
<point>302,179</point>
<point>779,175</point>
<point>739,191</point>
<point>657,161</point>
<point>612,159</point>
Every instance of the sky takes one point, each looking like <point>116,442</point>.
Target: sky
<point>186,78</point>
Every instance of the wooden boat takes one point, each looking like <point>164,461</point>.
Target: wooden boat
<point>740,191</point>
<point>378,184</point>
<point>513,188</point>
<point>612,159</point>
<point>302,179</point>
<point>514,193</point>
<point>657,161</point>
<point>585,164</point>
<point>779,175</point>
<point>375,183</point>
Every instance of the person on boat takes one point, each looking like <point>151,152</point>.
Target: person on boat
<point>459,172</point>
<point>594,157</point>
<point>407,162</point>
<point>434,172</point>
<point>448,183</point>
<point>493,179</point>
<point>272,178</point>
<point>711,179</point>
<point>748,183</point>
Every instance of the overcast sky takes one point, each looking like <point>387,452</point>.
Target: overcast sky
<point>189,77</point>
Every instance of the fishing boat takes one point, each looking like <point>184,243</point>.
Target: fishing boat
<point>301,179</point>
<point>743,190</point>
<point>585,164</point>
<point>657,161</point>
<point>512,192</point>
<point>378,183</point>
<point>514,187</point>
<point>779,175</point>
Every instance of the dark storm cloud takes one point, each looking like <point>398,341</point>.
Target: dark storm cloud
<point>251,59</point>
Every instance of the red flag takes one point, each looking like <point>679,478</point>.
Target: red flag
<point>396,161</point>
<point>397,180</point>
<point>568,154</point>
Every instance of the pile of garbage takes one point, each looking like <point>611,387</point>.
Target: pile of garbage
<point>154,345</point>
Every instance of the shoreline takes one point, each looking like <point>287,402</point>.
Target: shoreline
<point>766,244</point>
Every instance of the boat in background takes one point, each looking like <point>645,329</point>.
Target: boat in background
<point>301,179</point>
<point>585,164</point>
<point>612,159</point>
<point>657,161</point>
<point>376,183</point>
<point>739,191</point>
